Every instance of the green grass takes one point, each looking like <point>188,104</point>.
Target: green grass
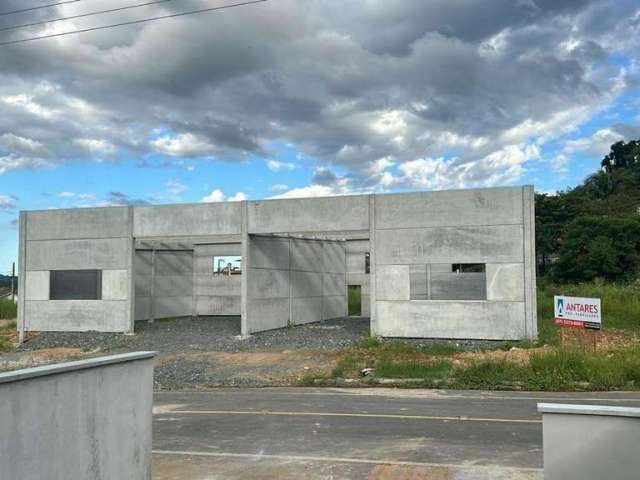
<point>354,300</point>
<point>390,369</point>
<point>8,309</point>
<point>620,305</point>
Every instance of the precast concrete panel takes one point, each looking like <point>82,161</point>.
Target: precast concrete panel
<point>361,279</point>
<point>392,282</point>
<point>173,286</point>
<point>334,306</point>
<point>213,305</point>
<point>306,255</point>
<point>309,214</point>
<point>451,319</point>
<point>174,306</point>
<point>334,257</point>
<point>505,281</point>
<point>174,263</point>
<point>355,262</point>
<point>218,249</point>
<point>495,206</point>
<point>333,284</point>
<point>268,284</point>
<point>267,314</point>
<point>187,220</point>
<point>77,315</point>
<point>115,285</point>
<point>306,310</point>
<point>218,285</point>
<point>142,308</point>
<point>101,254</point>
<point>306,284</point>
<point>269,252</point>
<point>78,223</point>
<point>482,244</point>
<point>37,285</point>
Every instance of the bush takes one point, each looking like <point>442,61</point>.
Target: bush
<point>8,309</point>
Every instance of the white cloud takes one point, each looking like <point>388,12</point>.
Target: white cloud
<point>16,143</point>
<point>218,195</point>
<point>16,162</point>
<point>597,144</point>
<point>278,166</point>
<point>7,203</point>
<point>560,163</point>
<point>238,197</point>
<point>279,187</point>
<point>96,145</point>
<point>183,145</point>
<point>66,194</point>
<point>175,187</point>
<point>27,103</point>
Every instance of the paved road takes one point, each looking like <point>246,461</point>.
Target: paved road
<point>290,433</point>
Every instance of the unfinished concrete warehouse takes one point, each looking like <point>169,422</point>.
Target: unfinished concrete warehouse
<point>448,264</point>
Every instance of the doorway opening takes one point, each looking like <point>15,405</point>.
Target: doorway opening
<point>354,300</point>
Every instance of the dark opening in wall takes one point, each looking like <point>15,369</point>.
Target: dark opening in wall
<point>367,262</point>
<point>445,281</point>
<point>75,285</point>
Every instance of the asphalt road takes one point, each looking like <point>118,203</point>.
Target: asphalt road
<point>291,433</point>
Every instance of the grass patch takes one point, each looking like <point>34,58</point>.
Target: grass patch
<point>8,309</point>
<point>387,369</point>
<point>620,306</point>
<point>354,300</point>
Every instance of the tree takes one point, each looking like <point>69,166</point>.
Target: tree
<point>599,247</point>
<point>622,155</point>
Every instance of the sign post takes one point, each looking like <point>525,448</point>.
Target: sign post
<point>577,312</point>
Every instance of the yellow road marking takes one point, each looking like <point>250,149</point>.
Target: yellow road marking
<point>363,415</point>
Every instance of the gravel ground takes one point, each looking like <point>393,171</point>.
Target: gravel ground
<point>218,334</point>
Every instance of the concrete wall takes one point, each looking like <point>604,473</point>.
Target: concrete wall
<point>78,420</point>
<point>590,442</point>
<point>356,250</point>
<point>425,232</point>
<point>216,294</point>
<point>292,281</point>
<point>172,287</point>
<point>91,238</point>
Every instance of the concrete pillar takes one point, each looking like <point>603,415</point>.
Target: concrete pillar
<point>152,287</point>
<point>22,270</point>
<point>194,297</point>
<point>529,236</point>
<point>372,265</point>
<point>244,230</point>
<point>131,274</point>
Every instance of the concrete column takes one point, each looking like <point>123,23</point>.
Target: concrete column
<point>372,265</point>
<point>194,297</point>
<point>22,270</point>
<point>529,236</point>
<point>131,274</point>
<point>152,286</point>
<point>244,230</point>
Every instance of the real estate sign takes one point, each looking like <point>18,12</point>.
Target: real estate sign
<point>577,312</point>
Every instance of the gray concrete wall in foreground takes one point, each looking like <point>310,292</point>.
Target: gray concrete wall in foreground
<point>89,419</point>
<point>90,238</point>
<point>423,234</point>
<point>590,442</point>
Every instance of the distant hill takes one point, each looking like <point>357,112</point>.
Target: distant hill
<point>5,280</point>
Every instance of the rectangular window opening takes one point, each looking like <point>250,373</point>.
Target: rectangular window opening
<point>367,262</point>
<point>75,285</point>
<point>445,281</point>
<point>227,265</point>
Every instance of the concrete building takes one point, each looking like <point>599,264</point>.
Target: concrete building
<point>448,264</point>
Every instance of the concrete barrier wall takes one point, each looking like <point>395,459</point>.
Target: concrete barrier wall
<point>88,238</point>
<point>216,294</point>
<point>590,442</point>
<point>89,419</point>
<point>489,226</point>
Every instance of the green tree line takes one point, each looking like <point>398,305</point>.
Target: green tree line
<point>593,230</point>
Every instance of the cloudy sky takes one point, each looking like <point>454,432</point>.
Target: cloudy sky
<point>309,97</point>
